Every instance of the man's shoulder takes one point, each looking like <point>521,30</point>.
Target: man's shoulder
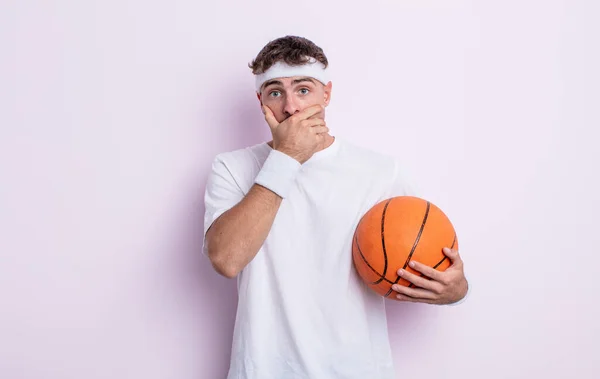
<point>243,157</point>
<point>240,165</point>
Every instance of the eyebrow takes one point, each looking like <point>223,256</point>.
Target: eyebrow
<point>295,81</point>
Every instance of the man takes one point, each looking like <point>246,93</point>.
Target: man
<point>280,217</point>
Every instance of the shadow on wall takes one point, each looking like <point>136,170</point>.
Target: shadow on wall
<point>407,324</point>
<point>207,299</point>
<point>212,297</point>
<point>241,122</point>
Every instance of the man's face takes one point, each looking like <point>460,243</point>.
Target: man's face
<point>287,96</point>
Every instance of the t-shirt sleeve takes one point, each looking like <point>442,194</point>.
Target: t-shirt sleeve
<point>221,194</point>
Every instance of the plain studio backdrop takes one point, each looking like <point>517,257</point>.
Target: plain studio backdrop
<point>110,115</point>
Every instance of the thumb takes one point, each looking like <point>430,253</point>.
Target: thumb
<point>269,117</point>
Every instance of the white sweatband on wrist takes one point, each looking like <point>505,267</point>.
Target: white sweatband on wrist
<point>312,68</point>
<point>278,173</point>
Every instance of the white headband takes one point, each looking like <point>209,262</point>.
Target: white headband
<point>313,69</point>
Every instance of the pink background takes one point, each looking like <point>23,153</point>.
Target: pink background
<point>111,111</point>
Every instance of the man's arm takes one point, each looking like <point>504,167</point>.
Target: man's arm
<point>236,236</point>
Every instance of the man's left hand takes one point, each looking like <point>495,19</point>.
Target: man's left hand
<point>436,287</point>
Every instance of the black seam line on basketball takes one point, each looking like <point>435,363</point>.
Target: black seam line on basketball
<point>389,291</point>
<point>415,244</point>
<point>385,260</point>
<point>440,262</point>
<point>367,263</point>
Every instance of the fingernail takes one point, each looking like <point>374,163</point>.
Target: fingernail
<point>412,264</point>
<point>400,272</point>
<point>446,250</point>
<point>395,287</point>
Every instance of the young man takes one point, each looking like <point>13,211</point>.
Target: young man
<point>280,217</point>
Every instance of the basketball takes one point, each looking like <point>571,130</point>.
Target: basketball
<point>396,231</point>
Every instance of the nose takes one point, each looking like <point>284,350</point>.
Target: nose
<point>290,107</point>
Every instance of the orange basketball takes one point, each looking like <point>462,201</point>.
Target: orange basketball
<point>396,231</point>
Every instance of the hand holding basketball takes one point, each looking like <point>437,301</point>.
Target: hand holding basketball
<point>300,135</point>
<point>433,286</point>
<point>405,248</point>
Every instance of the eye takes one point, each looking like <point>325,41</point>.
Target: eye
<point>272,93</point>
<point>305,89</point>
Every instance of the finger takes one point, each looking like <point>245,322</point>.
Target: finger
<point>419,281</point>
<point>313,122</point>
<point>452,254</point>
<point>415,293</point>
<point>413,300</point>
<point>270,117</point>
<point>316,115</point>
<point>308,112</point>
<point>427,271</point>
<point>320,129</point>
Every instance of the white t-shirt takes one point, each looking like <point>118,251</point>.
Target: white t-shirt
<point>303,311</point>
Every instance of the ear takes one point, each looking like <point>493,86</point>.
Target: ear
<point>327,93</point>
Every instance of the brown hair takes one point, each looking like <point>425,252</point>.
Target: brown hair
<point>292,50</point>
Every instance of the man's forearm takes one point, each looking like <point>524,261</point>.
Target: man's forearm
<point>236,236</point>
